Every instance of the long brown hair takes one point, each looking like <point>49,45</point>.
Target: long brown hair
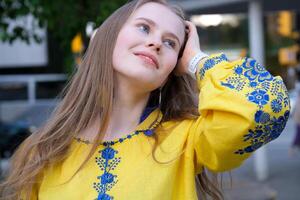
<point>83,100</point>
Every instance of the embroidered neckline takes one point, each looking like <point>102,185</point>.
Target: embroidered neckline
<point>147,127</point>
<point>147,132</point>
<point>108,158</point>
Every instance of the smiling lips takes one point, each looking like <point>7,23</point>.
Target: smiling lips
<point>148,58</point>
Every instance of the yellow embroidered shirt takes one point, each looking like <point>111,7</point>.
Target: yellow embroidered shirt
<point>242,107</point>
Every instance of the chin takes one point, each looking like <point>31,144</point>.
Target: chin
<point>140,76</point>
<point>145,82</point>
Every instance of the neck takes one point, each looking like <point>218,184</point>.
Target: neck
<point>128,105</point>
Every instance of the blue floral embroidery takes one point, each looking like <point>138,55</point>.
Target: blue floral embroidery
<point>209,63</point>
<point>107,178</point>
<point>104,197</point>
<point>260,97</point>
<point>108,153</point>
<point>107,162</point>
<point>266,130</point>
<point>262,84</point>
<point>255,71</point>
<point>261,117</point>
<point>253,84</point>
<point>146,113</point>
<point>276,105</point>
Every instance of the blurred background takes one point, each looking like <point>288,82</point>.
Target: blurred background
<point>42,42</point>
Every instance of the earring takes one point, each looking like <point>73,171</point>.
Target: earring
<point>159,98</point>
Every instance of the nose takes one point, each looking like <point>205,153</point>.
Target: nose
<point>154,43</point>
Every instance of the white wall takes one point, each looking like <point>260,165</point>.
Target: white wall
<point>19,54</point>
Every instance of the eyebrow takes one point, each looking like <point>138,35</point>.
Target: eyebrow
<point>154,24</point>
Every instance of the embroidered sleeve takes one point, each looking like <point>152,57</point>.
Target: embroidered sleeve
<point>242,107</point>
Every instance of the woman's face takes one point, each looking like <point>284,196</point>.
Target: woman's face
<point>148,45</point>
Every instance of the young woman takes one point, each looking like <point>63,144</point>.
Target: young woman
<point>131,124</point>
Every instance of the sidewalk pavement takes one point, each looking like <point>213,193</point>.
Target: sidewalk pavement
<point>283,182</point>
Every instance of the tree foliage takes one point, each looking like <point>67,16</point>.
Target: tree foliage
<point>63,19</point>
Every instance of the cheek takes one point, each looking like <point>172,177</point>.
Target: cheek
<point>169,66</point>
<point>125,41</point>
<point>121,42</point>
<point>126,38</point>
<point>170,62</point>
<point>121,45</point>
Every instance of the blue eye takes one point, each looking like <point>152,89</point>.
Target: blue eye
<point>170,43</point>
<point>144,28</point>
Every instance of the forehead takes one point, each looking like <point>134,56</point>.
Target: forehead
<point>163,17</point>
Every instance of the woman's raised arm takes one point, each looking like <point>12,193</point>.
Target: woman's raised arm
<point>242,107</point>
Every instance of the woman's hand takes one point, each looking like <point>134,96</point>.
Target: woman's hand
<point>192,47</point>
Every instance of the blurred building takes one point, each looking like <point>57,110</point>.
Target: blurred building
<point>31,76</point>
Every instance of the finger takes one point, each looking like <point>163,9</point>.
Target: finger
<point>191,27</point>
<point>193,33</point>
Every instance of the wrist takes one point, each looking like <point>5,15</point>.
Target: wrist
<point>194,63</point>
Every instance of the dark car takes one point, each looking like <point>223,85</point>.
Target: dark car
<point>11,136</point>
